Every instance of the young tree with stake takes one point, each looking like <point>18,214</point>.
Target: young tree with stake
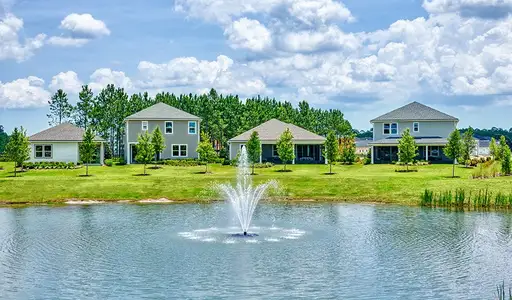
<point>285,147</point>
<point>331,149</point>
<point>453,149</point>
<point>407,149</point>
<point>157,139</point>
<point>468,145</point>
<point>205,150</point>
<point>254,149</point>
<point>87,149</point>
<point>17,149</point>
<point>145,150</point>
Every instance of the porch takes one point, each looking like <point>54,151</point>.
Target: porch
<point>304,154</point>
<point>389,154</point>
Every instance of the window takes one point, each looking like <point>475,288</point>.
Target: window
<point>434,151</point>
<point>274,151</point>
<point>179,150</point>
<point>144,125</point>
<point>192,127</point>
<point>43,151</point>
<point>416,127</point>
<point>390,128</point>
<point>168,127</point>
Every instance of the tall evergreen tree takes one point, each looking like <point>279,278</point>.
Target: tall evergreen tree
<point>205,150</point>
<point>407,149</point>
<point>87,149</point>
<point>331,149</point>
<point>254,149</point>
<point>285,148</point>
<point>468,145</point>
<point>60,109</point>
<point>4,138</point>
<point>453,149</point>
<point>17,149</point>
<point>145,150</point>
<point>83,109</point>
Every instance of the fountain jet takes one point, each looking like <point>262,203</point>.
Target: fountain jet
<point>243,196</point>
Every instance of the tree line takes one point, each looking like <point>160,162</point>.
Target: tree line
<point>223,116</point>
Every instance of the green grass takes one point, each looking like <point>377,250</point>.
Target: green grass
<point>355,183</point>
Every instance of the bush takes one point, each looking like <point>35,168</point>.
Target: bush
<point>183,162</point>
<point>48,165</point>
<point>121,162</point>
<point>264,165</point>
<point>3,158</point>
<point>109,162</point>
<point>226,162</point>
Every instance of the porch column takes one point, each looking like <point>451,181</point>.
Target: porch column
<point>261,152</point>
<point>426,152</point>
<point>295,154</point>
<point>102,152</point>
<point>373,152</point>
<point>127,150</point>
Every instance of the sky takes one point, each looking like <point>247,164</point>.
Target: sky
<point>364,57</point>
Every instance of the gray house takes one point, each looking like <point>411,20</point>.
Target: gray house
<point>180,130</point>
<point>308,146</point>
<point>429,127</point>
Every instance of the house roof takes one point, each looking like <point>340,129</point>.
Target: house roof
<point>415,111</point>
<point>421,141</point>
<point>363,142</point>
<point>65,132</point>
<point>162,111</point>
<point>484,143</point>
<point>272,129</point>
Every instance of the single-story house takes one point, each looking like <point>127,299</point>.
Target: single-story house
<point>308,145</point>
<point>483,148</point>
<point>60,144</point>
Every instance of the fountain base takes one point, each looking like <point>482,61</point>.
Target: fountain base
<point>244,235</point>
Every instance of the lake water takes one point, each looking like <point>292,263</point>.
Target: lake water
<point>310,251</point>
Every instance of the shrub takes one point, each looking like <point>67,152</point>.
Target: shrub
<point>183,162</point>
<point>121,162</point>
<point>226,162</point>
<point>264,165</point>
<point>109,162</point>
<point>48,165</point>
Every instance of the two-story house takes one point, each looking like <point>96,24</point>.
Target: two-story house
<point>429,127</point>
<point>180,130</point>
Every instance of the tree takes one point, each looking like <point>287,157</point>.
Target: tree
<point>145,150</point>
<point>285,148</point>
<point>4,138</point>
<point>84,107</point>
<point>331,149</point>
<point>60,109</point>
<point>17,149</point>
<point>87,149</point>
<point>407,149</point>
<point>468,145</point>
<point>205,150</point>
<point>254,149</point>
<point>157,139</point>
<point>501,148</point>
<point>453,149</point>
<point>347,149</point>
<point>493,149</point>
<point>506,164</point>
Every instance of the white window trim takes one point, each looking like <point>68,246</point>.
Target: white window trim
<point>274,147</point>
<point>390,125</point>
<point>165,127</point>
<point>438,151</point>
<point>43,151</point>
<point>179,150</point>
<point>414,123</point>
<point>142,125</point>
<point>195,122</point>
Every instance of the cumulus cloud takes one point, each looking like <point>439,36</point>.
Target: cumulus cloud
<point>10,45</point>
<point>79,30</point>
<point>67,41</point>
<point>324,38</point>
<point>248,34</point>
<point>104,76</point>
<point>23,93</point>
<point>67,81</point>
<point>487,9</point>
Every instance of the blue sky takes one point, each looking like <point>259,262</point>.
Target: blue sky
<point>363,57</point>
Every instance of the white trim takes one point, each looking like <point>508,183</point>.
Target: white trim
<point>372,149</point>
<point>179,150</point>
<point>127,142</point>
<point>413,123</point>
<point>426,152</point>
<point>42,151</point>
<point>142,125</point>
<point>188,127</point>
<point>229,149</point>
<point>390,130</point>
<point>165,127</point>
<point>129,156</point>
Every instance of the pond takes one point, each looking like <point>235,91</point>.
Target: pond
<point>338,251</point>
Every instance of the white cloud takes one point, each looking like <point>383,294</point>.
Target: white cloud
<point>319,11</point>
<point>10,45</point>
<point>67,41</point>
<point>23,93</point>
<point>67,81</point>
<point>104,76</point>
<point>84,25</point>
<point>324,38</point>
<point>248,34</point>
<point>488,9</point>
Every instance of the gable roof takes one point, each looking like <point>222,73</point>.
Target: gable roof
<point>415,111</point>
<point>272,130</point>
<point>65,132</point>
<point>162,111</point>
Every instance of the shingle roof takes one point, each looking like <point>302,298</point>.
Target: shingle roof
<point>272,129</point>
<point>65,132</point>
<point>362,142</point>
<point>421,141</point>
<point>162,111</point>
<point>415,111</point>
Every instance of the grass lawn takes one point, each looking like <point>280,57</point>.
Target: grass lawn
<point>356,183</point>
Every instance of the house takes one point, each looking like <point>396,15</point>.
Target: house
<point>362,146</point>
<point>180,130</point>
<point>483,148</point>
<point>429,127</point>
<point>308,146</point>
<point>60,144</point>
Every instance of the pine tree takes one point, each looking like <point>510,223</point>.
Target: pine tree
<point>87,149</point>
<point>158,141</point>
<point>145,150</point>
<point>84,107</point>
<point>493,149</point>
<point>254,149</point>
<point>4,138</point>
<point>285,148</point>
<point>331,149</point>
<point>407,149</point>
<point>60,109</point>
<point>17,149</point>
<point>453,149</point>
<point>506,164</point>
<point>468,145</point>
<point>205,150</point>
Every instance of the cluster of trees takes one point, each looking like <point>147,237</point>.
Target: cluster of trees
<point>493,132</point>
<point>223,116</point>
<point>339,149</point>
<point>4,138</point>
<point>149,146</point>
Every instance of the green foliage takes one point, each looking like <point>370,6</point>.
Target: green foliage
<point>331,150</point>
<point>157,139</point>
<point>87,149</point>
<point>501,148</point>
<point>145,150</point>
<point>505,162</point>
<point>453,149</point>
<point>17,149</point>
<point>108,162</point>
<point>60,109</point>
<point>466,199</point>
<point>188,162</point>
<point>468,144</point>
<point>285,148</point>
<point>4,138</point>
<point>493,149</point>
<point>407,149</point>
<point>368,158</point>
<point>347,149</point>
<point>254,149</point>
<point>205,150</point>
<point>48,165</point>
<point>84,107</point>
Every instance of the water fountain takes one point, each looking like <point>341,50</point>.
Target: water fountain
<point>244,197</point>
